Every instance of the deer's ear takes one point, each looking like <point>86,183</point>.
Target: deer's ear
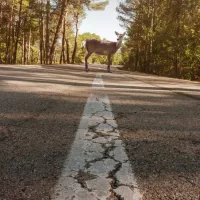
<point>124,33</point>
<point>116,33</point>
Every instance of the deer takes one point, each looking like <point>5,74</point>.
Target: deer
<point>99,47</point>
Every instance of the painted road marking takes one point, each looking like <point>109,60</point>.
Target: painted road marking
<point>98,82</point>
<point>97,167</point>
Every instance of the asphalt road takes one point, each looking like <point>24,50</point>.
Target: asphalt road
<point>41,108</point>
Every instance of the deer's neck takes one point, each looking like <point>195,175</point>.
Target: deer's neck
<point>118,45</point>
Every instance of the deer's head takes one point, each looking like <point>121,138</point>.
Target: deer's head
<point>120,36</point>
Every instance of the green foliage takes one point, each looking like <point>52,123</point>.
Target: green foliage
<point>32,31</point>
<point>93,5</point>
<point>117,59</point>
<point>163,37</point>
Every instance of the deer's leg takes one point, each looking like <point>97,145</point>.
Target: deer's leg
<point>86,63</point>
<point>109,63</point>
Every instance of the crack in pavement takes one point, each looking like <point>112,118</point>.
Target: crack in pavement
<point>97,167</point>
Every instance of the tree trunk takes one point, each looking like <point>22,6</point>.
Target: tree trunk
<point>22,56</point>
<point>177,34</point>
<point>62,55</point>
<point>48,6</point>
<point>7,56</point>
<point>17,33</point>
<point>59,25</point>
<point>29,47</point>
<point>137,59</point>
<point>41,24</point>
<point>0,29</point>
<point>67,50</point>
<point>13,42</point>
<point>25,49</point>
<point>75,39</point>
<point>151,38</point>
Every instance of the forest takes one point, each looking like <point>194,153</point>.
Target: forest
<point>44,31</point>
<point>162,35</point>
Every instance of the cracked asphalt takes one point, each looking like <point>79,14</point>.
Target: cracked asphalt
<point>97,166</point>
<point>154,126</point>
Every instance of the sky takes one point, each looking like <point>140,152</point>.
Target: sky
<point>103,23</point>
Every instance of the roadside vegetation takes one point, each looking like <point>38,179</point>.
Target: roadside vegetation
<point>43,31</point>
<point>163,36</point>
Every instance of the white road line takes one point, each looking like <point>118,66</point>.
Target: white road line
<point>97,167</point>
<point>98,82</point>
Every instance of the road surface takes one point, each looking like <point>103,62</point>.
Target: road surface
<point>68,134</point>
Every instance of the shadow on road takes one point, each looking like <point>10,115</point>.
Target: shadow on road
<point>161,130</point>
<point>38,123</point>
<point>39,115</point>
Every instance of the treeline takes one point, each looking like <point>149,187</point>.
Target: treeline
<point>163,37</point>
<point>42,31</point>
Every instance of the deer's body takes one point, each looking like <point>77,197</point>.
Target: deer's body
<point>102,48</point>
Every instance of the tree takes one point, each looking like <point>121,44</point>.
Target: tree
<point>64,5</point>
<point>45,31</point>
<point>78,16</point>
<point>162,36</point>
<point>17,32</point>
